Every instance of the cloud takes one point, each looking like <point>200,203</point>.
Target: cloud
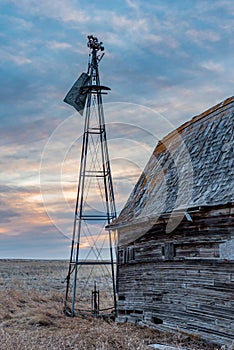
<point>201,37</point>
<point>213,66</point>
<point>18,59</point>
<point>7,215</point>
<point>18,23</point>
<point>24,210</point>
<point>132,26</point>
<point>58,9</point>
<point>133,5</point>
<point>56,45</point>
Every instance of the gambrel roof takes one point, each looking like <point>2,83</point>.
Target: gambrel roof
<point>192,166</point>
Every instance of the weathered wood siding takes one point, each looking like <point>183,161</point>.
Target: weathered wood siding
<point>184,279</point>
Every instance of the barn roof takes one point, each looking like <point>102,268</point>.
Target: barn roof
<point>192,166</point>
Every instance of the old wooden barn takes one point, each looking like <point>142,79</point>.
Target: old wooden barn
<point>176,232</point>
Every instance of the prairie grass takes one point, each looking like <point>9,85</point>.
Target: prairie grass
<point>31,316</point>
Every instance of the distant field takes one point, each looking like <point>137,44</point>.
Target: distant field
<point>31,314</point>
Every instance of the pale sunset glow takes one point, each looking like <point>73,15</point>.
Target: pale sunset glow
<point>164,62</point>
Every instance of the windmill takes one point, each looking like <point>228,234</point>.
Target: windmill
<point>91,245</point>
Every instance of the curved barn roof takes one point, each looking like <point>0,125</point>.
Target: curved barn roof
<point>192,166</point>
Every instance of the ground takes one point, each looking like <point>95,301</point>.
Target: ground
<point>31,316</point>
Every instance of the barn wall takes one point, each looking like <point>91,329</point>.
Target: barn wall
<point>183,279</point>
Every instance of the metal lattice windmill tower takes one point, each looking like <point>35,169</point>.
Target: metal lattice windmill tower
<point>91,245</point>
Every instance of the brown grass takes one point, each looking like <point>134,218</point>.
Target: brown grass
<point>31,316</point>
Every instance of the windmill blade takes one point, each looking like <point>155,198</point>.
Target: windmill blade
<point>75,96</point>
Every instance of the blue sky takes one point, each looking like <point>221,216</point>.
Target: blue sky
<point>165,62</point>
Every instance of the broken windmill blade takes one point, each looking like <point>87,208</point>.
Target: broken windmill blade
<point>94,176</point>
<point>75,96</point>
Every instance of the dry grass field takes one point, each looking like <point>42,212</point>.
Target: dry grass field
<point>31,316</point>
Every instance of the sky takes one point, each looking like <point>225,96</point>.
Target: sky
<point>165,61</point>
